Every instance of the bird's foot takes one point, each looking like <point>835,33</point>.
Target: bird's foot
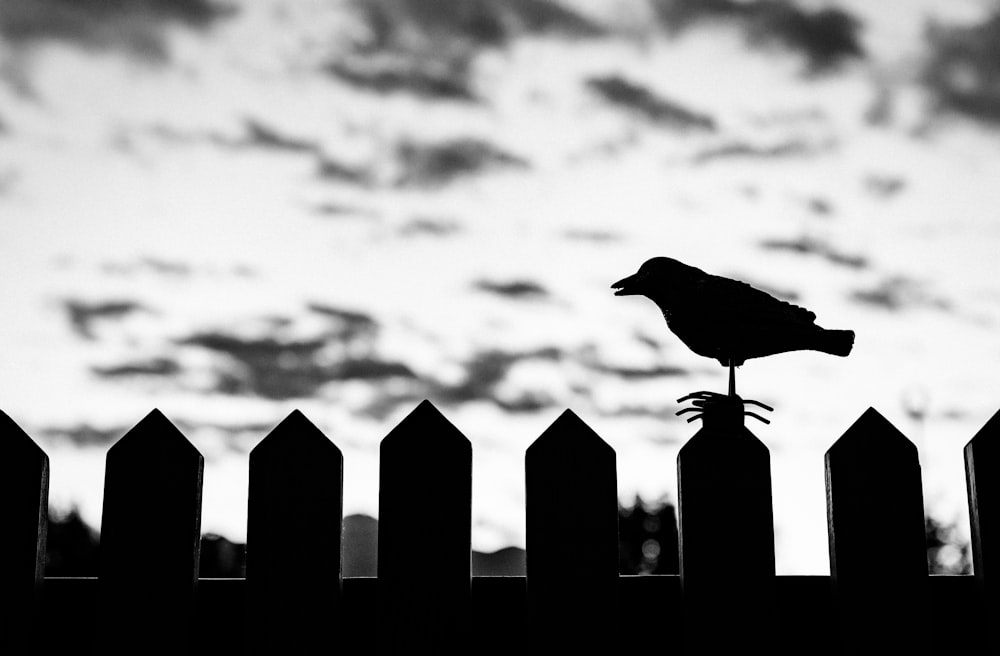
<point>727,406</point>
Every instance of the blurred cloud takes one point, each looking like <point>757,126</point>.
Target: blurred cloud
<point>83,314</point>
<point>347,324</point>
<point>596,236</point>
<point>794,147</point>
<point>522,290</point>
<point>148,264</point>
<point>825,37</point>
<point>436,164</point>
<point>432,80</point>
<point>641,101</point>
<point>884,185</point>
<point>135,26</point>
<point>85,434</point>
<point>962,71</point>
<point>898,293</point>
<point>448,24</point>
<point>263,136</point>
<point>330,169</point>
<point>150,367</point>
<point>287,368</point>
<point>811,246</point>
<point>429,227</point>
<point>484,372</point>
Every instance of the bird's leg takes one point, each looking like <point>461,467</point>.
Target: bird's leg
<point>732,378</point>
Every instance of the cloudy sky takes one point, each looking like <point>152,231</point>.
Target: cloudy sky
<point>228,210</point>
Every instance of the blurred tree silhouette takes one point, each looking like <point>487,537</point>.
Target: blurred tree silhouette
<point>647,538</point>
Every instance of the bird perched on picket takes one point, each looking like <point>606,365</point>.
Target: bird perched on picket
<point>728,320</point>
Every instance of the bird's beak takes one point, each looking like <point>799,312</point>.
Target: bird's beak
<point>627,286</point>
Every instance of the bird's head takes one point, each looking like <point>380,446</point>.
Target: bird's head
<point>654,274</point>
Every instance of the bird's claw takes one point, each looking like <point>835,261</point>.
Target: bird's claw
<point>713,402</point>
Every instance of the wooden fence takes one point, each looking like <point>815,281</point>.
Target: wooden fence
<point>879,598</point>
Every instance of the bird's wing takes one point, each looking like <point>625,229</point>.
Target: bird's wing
<point>737,301</point>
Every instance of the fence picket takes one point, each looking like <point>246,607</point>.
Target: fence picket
<point>150,540</point>
<point>982,466</point>
<point>878,552</point>
<point>726,534</point>
<point>571,491</point>
<point>295,505</point>
<point>424,546</point>
<point>24,506</point>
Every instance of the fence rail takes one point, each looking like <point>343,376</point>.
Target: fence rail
<point>879,598</point>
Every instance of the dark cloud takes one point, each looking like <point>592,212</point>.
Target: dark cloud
<point>899,293</point>
<point>667,412</point>
<point>152,367</point>
<point>643,102</point>
<point>328,168</point>
<point>522,290</point>
<point>343,211</point>
<point>451,24</point>
<point>744,150</point>
<point>596,236</point>
<point>429,228</point>
<point>486,370</point>
<point>83,314</point>
<point>85,434</point>
<point>158,266</point>
<point>825,37</point>
<point>135,26</point>
<point>436,164</point>
<point>424,78</point>
<point>820,206</point>
<point>347,324</point>
<point>962,71</point>
<point>640,373</point>
<point>260,135</point>
<point>805,245</point>
<point>883,185</point>
<point>283,369</point>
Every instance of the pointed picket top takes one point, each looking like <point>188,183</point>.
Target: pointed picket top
<point>568,435</point>
<point>150,536</point>
<point>153,437</point>
<point>24,504</point>
<point>296,436</point>
<point>571,494</point>
<point>425,517</point>
<point>875,438</point>
<point>425,419</point>
<point>982,468</point>
<point>295,499</point>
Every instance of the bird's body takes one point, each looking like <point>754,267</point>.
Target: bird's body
<point>728,320</point>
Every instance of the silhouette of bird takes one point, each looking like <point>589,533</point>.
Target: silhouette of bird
<point>728,320</point>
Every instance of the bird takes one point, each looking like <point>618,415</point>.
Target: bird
<point>729,320</point>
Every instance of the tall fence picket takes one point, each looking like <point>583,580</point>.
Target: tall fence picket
<point>982,468</point>
<point>726,533</point>
<point>878,552</point>
<point>24,506</point>
<point>571,490</point>
<point>295,506</point>
<point>150,538</point>
<point>424,546</point>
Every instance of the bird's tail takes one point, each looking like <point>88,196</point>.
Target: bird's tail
<point>835,342</point>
